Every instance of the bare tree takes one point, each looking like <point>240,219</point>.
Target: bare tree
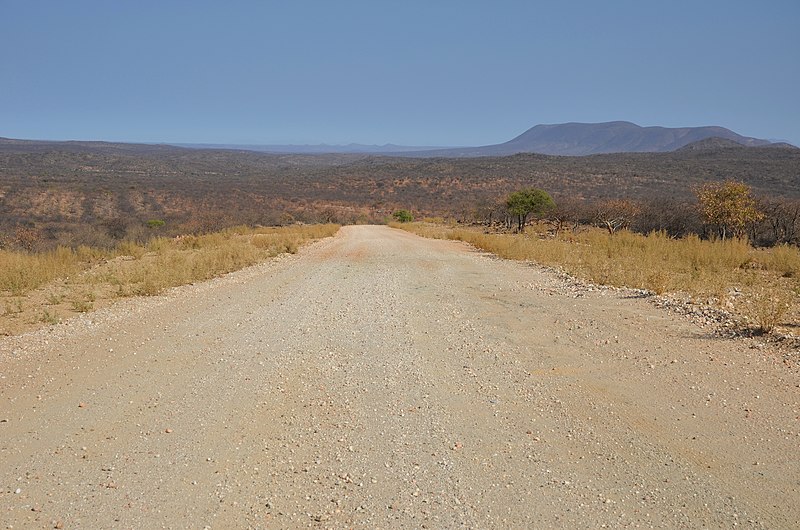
<point>569,213</point>
<point>781,219</point>
<point>615,214</point>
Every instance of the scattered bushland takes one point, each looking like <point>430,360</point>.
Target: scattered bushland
<point>97,195</point>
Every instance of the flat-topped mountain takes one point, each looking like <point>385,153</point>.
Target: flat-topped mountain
<point>618,137</point>
<point>578,139</point>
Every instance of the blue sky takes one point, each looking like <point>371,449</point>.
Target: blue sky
<point>411,72</point>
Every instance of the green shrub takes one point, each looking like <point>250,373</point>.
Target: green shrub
<point>403,216</point>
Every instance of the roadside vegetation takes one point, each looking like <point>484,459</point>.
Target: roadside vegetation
<point>760,286</point>
<point>402,216</point>
<point>44,287</point>
<point>123,215</point>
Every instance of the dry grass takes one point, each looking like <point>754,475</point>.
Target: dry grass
<point>167,263</point>
<point>21,272</point>
<point>759,285</point>
<point>43,288</point>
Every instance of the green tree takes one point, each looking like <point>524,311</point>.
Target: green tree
<point>403,216</point>
<point>521,204</point>
<point>728,207</point>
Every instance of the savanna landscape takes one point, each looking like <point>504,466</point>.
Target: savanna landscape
<point>79,204</point>
<point>426,265</point>
<point>339,377</point>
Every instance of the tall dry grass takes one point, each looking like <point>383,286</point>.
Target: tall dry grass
<point>183,259</point>
<point>21,272</point>
<point>759,284</point>
<point>67,281</point>
<point>164,263</point>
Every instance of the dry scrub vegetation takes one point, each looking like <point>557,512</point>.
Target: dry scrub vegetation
<point>98,194</point>
<point>759,286</point>
<point>45,287</point>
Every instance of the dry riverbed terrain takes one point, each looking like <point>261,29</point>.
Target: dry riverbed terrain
<point>381,380</point>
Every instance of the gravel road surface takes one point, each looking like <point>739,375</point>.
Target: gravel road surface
<point>381,380</point>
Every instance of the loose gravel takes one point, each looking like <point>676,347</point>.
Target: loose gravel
<point>381,380</point>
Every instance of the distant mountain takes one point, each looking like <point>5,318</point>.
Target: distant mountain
<point>12,144</point>
<point>578,139</point>
<point>77,146</point>
<point>570,139</point>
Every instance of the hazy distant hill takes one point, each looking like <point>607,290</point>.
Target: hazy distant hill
<point>105,148</point>
<point>578,139</point>
<point>572,139</point>
<point>317,149</point>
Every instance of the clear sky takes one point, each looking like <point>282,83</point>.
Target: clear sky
<point>409,72</point>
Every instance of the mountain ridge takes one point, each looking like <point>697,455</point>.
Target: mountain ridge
<point>581,139</point>
<point>563,139</point>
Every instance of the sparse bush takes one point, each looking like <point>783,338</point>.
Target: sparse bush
<point>55,298</point>
<point>117,227</point>
<point>766,306</point>
<point>48,317</point>
<point>129,248</point>
<point>27,238</point>
<point>569,213</point>
<point>677,218</point>
<point>13,307</point>
<point>403,216</point>
<point>82,306</point>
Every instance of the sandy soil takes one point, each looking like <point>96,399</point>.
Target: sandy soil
<point>382,380</point>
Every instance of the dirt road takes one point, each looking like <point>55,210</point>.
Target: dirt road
<point>382,380</point>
